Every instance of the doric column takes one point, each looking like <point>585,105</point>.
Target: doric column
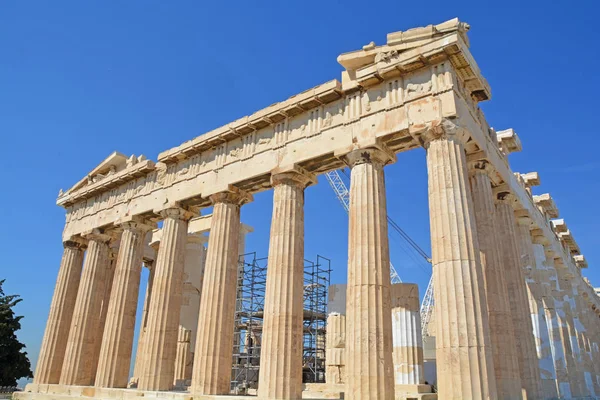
<point>408,343</point>
<point>539,284</point>
<point>282,339</point>
<point>214,342</point>
<point>117,340</point>
<point>586,347</point>
<point>108,283</point>
<point>160,339</point>
<point>553,309</point>
<point>193,277</point>
<point>53,348</point>
<point>517,292</point>
<point>569,331</point>
<point>79,368</point>
<point>369,365</point>
<point>137,368</point>
<point>534,295</point>
<point>335,349</point>
<point>465,367</point>
<point>502,336</point>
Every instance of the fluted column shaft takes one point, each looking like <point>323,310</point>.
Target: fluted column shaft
<point>407,340</point>
<point>585,346</point>
<point>369,364</point>
<point>569,331</point>
<point>465,367</point>
<point>117,341</point>
<point>99,334</point>
<point>195,258</point>
<point>137,368</point>
<point>54,344</point>
<point>79,367</point>
<point>502,336</point>
<point>553,309</point>
<point>282,339</point>
<point>183,360</point>
<point>214,342</point>
<point>547,375</point>
<point>160,339</point>
<point>538,283</point>
<point>517,292</point>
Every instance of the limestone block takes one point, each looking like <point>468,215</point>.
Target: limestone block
<point>336,331</point>
<point>335,356</point>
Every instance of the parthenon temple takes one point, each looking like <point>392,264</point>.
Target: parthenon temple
<point>514,316</point>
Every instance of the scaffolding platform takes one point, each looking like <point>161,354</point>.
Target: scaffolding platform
<point>251,287</point>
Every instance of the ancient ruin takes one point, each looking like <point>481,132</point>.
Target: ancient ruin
<point>514,316</point>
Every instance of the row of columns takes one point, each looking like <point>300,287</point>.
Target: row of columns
<point>485,342</point>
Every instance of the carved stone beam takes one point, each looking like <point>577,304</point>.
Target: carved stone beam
<point>546,205</point>
<point>531,179</point>
<point>580,261</point>
<point>508,141</point>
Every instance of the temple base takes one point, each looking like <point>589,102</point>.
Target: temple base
<point>65,392</point>
<point>409,392</point>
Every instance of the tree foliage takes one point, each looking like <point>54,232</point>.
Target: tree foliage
<point>14,363</point>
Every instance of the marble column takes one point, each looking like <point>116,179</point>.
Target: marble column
<point>214,342</point>
<point>539,283</point>
<point>502,336</point>
<point>369,365</point>
<point>568,331</point>
<point>335,349</point>
<point>536,307</point>
<point>280,375</point>
<point>195,259</point>
<point>586,350</point>
<point>465,367</point>
<point>408,344</point>
<point>108,284</point>
<point>117,340</point>
<point>517,292</point>
<point>137,368</point>
<point>54,344</point>
<point>160,339</point>
<point>555,317</point>
<point>79,367</point>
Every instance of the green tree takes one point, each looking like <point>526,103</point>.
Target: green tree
<point>14,363</point>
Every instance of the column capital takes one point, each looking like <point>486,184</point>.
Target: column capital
<point>481,167</point>
<point>135,223</point>
<point>504,196</point>
<point>292,175</point>
<point>523,218</point>
<point>97,235</point>
<point>379,155</point>
<point>231,195</point>
<point>75,242</point>
<point>175,211</point>
<point>445,129</point>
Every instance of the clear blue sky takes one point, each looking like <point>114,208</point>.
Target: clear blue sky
<point>80,79</point>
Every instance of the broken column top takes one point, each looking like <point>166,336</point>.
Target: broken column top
<point>406,296</point>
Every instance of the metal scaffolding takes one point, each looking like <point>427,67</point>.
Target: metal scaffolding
<point>251,286</point>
